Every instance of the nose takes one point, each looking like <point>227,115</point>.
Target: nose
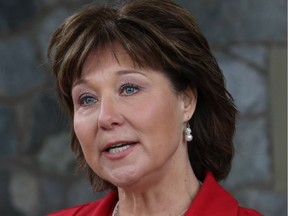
<point>109,114</point>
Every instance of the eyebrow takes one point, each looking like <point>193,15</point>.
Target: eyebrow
<point>119,73</point>
<point>124,72</point>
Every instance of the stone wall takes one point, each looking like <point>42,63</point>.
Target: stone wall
<point>36,165</point>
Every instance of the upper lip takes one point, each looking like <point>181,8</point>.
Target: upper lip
<point>114,143</point>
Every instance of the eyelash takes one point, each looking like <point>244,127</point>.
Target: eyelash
<point>127,86</point>
<point>83,97</point>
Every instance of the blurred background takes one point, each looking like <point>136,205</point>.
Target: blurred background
<point>249,40</point>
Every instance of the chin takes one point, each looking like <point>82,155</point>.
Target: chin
<point>126,182</point>
<point>124,178</point>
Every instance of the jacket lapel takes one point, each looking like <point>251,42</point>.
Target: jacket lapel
<point>212,199</point>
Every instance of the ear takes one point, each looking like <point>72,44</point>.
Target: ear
<point>189,102</point>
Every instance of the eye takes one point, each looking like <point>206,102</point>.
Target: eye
<point>86,100</point>
<point>129,89</point>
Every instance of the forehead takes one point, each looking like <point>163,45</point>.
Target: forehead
<point>113,55</point>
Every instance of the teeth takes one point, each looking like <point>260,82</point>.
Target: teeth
<point>118,149</point>
<point>117,145</point>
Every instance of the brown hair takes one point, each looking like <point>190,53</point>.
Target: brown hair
<point>158,35</point>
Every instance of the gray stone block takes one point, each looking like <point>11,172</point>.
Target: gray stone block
<point>56,155</point>
<point>251,163</point>
<point>247,86</point>
<point>15,13</point>
<point>53,194</point>
<point>48,26</point>
<point>6,207</point>
<point>246,20</point>
<point>24,189</point>
<point>267,202</point>
<point>47,119</point>
<point>8,134</point>
<point>256,54</point>
<point>81,192</point>
<point>19,71</point>
<point>63,2</point>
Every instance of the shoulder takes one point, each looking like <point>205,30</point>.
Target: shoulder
<point>213,199</point>
<point>73,210</point>
<point>99,207</point>
<point>248,212</point>
<point>76,210</point>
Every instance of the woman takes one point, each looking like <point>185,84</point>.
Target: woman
<point>137,80</point>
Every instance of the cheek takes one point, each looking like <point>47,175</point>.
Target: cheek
<point>162,120</point>
<point>83,129</point>
<point>78,129</point>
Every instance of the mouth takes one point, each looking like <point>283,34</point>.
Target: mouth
<point>119,147</point>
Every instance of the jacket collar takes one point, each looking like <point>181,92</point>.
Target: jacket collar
<point>212,199</point>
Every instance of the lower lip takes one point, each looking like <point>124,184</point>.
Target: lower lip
<point>120,155</point>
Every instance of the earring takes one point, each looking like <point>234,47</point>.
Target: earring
<point>188,134</point>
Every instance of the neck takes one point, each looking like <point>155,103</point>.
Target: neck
<point>170,193</point>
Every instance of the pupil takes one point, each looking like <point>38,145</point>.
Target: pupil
<point>130,90</point>
<point>89,100</point>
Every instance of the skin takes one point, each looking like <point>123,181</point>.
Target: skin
<point>114,102</point>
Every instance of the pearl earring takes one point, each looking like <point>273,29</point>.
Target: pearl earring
<point>188,134</point>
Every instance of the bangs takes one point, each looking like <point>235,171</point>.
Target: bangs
<point>146,37</point>
<point>141,43</point>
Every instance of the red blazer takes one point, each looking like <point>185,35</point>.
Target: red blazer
<point>211,200</point>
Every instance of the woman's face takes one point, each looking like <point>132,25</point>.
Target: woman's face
<point>129,121</point>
